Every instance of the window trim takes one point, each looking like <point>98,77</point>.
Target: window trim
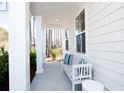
<point>79,33</point>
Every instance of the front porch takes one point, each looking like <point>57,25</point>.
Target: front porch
<point>92,31</point>
<point>52,79</point>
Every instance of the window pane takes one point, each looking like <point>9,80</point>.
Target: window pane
<point>66,44</point>
<point>83,42</point>
<point>78,40</point>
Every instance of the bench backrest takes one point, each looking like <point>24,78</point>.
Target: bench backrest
<point>83,71</point>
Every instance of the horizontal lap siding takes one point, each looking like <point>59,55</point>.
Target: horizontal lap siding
<point>109,65</point>
<point>108,47</point>
<point>105,42</point>
<point>113,27</point>
<point>111,56</point>
<point>109,84</point>
<point>109,37</point>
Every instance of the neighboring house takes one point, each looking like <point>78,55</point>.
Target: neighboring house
<point>95,33</point>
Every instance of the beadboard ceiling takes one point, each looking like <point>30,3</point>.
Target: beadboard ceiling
<point>54,13</point>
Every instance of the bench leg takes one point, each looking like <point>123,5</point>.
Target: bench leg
<point>73,87</point>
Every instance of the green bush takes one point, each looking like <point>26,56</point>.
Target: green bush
<point>32,65</point>
<point>3,65</point>
<point>32,57</point>
<point>55,53</point>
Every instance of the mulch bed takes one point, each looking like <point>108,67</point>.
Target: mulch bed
<point>5,86</point>
<point>32,71</point>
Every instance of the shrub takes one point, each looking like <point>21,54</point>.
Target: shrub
<point>3,65</point>
<point>32,65</point>
<point>32,57</point>
<point>54,53</point>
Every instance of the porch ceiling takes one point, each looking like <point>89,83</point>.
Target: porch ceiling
<point>54,13</point>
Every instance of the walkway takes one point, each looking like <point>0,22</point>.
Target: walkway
<point>52,79</point>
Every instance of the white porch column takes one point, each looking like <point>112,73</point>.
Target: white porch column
<point>39,44</point>
<point>19,67</point>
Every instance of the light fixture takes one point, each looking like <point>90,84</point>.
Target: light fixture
<point>57,19</point>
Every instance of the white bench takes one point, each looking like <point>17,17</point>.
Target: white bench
<point>77,73</point>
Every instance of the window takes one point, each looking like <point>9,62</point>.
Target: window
<point>66,44</point>
<point>80,29</point>
<point>3,6</point>
<point>66,40</point>
<point>80,22</point>
<point>80,39</point>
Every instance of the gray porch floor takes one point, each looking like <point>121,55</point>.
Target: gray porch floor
<point>52,79</point>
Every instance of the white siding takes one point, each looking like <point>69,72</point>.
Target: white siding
<point>105,42</point>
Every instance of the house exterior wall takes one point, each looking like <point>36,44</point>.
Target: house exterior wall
<point>16,22</point>
<point>104,41</point>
